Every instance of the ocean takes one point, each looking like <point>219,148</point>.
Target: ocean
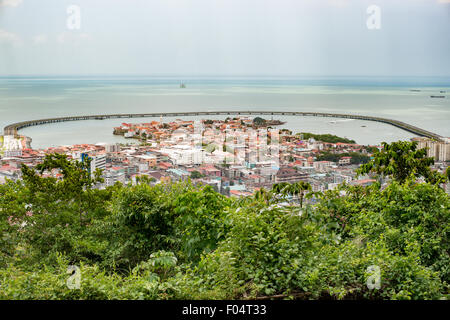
<point>404,99</point>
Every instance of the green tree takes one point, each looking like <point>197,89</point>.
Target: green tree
<point>400,160</point>
<point>258,121</point>
<point>280,188</point>
<point>299,190</point>
<point>181,241</point>
<point>12,212</point>
<point>75,186</point>
<point>196,175</point>
<point>325,137</point>
<point>55,205</point>
<point>263,196</point>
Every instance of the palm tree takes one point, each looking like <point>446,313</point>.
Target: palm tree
<point>298,189</point>
<point>263,195</point>
<point>280,188</point>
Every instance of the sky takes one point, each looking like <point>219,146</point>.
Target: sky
<point>225,37</point>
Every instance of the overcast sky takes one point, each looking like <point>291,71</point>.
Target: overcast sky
<point>226,37</point>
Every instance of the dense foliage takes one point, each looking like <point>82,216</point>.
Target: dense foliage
<point>325,137</point>
<point>402,160</point>
<point>259,121</point>
<point>180,241</point>
<point>356,158</point>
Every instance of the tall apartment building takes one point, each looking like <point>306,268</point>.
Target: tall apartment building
<point>112,147</point>
<point>440,150</point>
<point>98,162</point>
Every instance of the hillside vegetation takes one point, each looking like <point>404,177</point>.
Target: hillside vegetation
<point>325,137</point>
<point>180,241</point>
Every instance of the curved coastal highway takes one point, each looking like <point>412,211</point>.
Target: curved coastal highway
<point>12,129</point>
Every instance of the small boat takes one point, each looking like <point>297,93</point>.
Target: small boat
<point>437,97</point>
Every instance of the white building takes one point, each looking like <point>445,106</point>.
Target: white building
<point>12,153</point>
<point>98,162</point>
<point>345,160</point>
<point>185,155</point>
<point>114,175</point>
<point>112,147</point>
<point>339,178</point>
<point>11,146</point>
<point>322,165</point>
<point>440,150</point>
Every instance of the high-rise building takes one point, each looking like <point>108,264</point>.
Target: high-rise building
<point>97,161</point>
<point>439,150</point>
<point>112,147</point>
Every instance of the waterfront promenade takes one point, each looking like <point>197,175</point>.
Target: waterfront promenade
<point>13,129</point>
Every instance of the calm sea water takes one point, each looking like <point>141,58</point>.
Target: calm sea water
<point>27,98</point>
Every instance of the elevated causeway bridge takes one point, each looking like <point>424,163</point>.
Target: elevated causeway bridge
<point>13,129</point>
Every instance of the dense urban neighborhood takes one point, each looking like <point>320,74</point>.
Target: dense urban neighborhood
<point>236,156</point>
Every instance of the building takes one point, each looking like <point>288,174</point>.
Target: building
<point>185,155</point>
<point>113,175</point>
<point>148,159</point>
<point>322,165</point>
<point>11,172</point>
<point>232,172</point>
<point>363,182</point>
<point>289,175</point>
<point>340,178</point>
<point>179,174</point>
<point>344,161</point>
<point>209,170</point>
<point>98,162</point>
<point>12,153</point>
<point>439,150</point>
<point>112,147</point>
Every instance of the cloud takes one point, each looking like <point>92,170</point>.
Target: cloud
<point>73,38</point>
<point>40,39</point>
<point>9,38</point>
<point>10,3</point>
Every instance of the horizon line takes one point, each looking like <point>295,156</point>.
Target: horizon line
<point>218,75</point>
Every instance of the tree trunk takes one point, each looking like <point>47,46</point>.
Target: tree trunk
<point>301,199</point>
